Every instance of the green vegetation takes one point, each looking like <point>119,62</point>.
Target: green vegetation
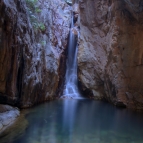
<point>32,6</point>
<point>38,26</point>
<point>43,43</point>
<point>41,27</point>
<point>33,11</point>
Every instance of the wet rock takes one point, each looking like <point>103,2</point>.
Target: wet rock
<point>75,31</point>
<point>110,50</point>
<point>75,8</point>
<point>120,104</point>
<point>69,2</point>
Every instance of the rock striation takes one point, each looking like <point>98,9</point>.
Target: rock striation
<point>110,57</point>
<point>33,43</point>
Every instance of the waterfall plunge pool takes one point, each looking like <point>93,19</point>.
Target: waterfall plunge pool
<point>77,121</point>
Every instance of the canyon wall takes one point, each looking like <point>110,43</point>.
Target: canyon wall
<point>110,57</point>
<point>33,40</point>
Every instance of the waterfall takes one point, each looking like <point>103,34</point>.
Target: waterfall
<point>71,88</point>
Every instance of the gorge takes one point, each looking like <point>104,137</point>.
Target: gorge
<point>71,82</point>
<point>44,56</point>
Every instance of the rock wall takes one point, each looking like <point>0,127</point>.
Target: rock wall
<point>32,50</point>
<point>110,57</point>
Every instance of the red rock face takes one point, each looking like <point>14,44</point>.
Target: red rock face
<point>110,57</point>
<point>31,59</point>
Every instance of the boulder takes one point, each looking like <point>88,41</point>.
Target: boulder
<point>8,116</point>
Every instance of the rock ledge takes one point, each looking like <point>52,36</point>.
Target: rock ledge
<point>8,115</point>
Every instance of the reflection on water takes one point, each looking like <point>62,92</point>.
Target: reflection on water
<point>80,121</point>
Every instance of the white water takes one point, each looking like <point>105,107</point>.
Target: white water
<point>71,88</point>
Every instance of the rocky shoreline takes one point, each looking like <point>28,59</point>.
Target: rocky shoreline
<point>8,116</point>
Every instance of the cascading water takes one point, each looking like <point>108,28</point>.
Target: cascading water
<point>71,88</point>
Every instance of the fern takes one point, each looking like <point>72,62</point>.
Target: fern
<point>41,26</point>
<point>33,9</point>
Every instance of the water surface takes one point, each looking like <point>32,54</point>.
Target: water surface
<point>79,121</point>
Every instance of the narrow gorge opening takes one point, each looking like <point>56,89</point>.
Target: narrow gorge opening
<point>71,82</point>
